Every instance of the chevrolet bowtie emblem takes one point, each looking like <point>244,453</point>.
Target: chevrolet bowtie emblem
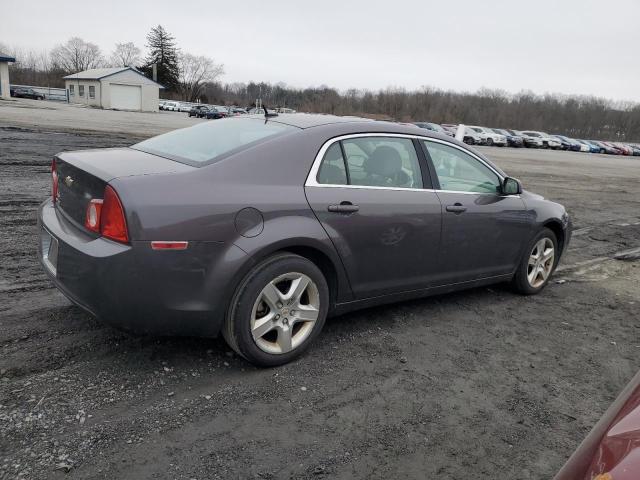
<point>68,181</point>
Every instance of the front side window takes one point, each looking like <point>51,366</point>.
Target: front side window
<point>460,172</point>
<point>81,90</point>
<point>92,91</point>
<point>382,162</point>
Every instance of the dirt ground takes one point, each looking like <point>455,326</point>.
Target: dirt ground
<point>481,384</point>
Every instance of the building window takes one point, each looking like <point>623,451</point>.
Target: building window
<point>92,91</point>
<point>72,90</point>
<point>81,90</point>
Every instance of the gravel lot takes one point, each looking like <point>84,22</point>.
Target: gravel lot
<point>481,384</point>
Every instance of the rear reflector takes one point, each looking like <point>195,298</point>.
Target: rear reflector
<point>164,245</point>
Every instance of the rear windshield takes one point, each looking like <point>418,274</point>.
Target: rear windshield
<point>213,140</point>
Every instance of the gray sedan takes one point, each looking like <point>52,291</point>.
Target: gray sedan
<point>259,228</point>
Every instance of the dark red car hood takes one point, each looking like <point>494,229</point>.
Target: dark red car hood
<point>611,451</point>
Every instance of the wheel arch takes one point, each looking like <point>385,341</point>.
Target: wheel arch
<point>556,227</point>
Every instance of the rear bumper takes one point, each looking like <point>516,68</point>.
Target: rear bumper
<point>138,289</point>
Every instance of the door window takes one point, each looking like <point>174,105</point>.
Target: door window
<point>332,170</point>
<point>382,162</point>
<point>460,172</point>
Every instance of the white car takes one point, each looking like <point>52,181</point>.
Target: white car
<point>547,140</point>
<point>172,106</point>
<point>489,137</point>
<point>185,107</point>
<point>529,141</point>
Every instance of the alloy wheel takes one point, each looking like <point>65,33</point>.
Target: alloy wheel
<point>285,312</point>
<point>540,262</point>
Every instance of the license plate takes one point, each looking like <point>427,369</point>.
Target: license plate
<point>49,251</point>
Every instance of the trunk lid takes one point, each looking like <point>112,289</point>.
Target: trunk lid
<point>83,175</point>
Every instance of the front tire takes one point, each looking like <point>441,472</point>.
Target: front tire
<point>538,264</point>
<point>277,310</point>
<point>489,142</point>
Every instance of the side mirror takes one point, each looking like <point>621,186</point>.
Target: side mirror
<point>511,186</point>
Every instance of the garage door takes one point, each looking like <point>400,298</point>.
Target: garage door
<point>126,97</point>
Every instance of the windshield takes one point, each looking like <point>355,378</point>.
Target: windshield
<point>211,141</point>
<point>532,134</point>
<point>437,127</point>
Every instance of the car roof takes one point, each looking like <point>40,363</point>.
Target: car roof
<point>308,120</point>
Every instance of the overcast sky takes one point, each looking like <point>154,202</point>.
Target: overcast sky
<point>565,46</point>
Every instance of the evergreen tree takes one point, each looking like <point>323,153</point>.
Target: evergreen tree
<point>164,54</point>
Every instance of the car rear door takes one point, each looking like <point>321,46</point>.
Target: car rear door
<point>368,191</point>
<point>483,231</point>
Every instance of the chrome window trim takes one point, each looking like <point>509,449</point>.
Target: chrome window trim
<point>313,173</point>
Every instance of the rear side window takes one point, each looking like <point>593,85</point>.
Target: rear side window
<point>383,162</point>
<point>211,141</point>
<point>332,169</point>
<point>372,162</point>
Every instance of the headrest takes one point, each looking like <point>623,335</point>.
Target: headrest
<point>383,161</point>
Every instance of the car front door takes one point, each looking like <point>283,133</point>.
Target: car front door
<point>368,192</point>
<point>483,231</point>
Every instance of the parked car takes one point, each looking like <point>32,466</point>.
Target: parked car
<point>199,111</point>
<point>608,149</point>
<point>237,110</point>
<point>184,107</point>
<point>636,150</point>
<point>589,147</point>
<point>27,93</point>
<point>489,137</point>
<point>512,140</point>
<point>624,150</point>
<point>471,137</point>
<point>251,244</point>
<point>434,127</point>
<point>547,140</point>
<point>592,145</point>
<point>217,112</point>
<point>285,110</point>
<point>260,111</point>
<point>171,106</point>
<point>568,143</point>
<point>529,141</point>
<point>611,451</point>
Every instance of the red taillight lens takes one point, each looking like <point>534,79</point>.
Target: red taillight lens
<point>54,181</point>
<point>92,217</point>
<point>113,224</point>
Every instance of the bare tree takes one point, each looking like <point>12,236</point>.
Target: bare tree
<point>77,55</point>
<point>126,55</point>
<point>195,72</point>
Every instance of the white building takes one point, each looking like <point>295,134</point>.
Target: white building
<point>122,88</point>
<point>4,75</point>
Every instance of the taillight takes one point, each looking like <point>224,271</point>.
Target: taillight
<point>54,181</point>
<point>113,224</point>
<point>92,217</point>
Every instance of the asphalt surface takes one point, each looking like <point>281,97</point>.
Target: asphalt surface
<point>480,384</point>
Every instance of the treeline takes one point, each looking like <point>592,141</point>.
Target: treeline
<point>195,78</point>
<point>575,116</point>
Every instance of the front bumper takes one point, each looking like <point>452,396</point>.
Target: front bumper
<point>138,289</point>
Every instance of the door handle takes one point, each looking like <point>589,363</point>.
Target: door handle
<point>456,208</point>
<point>344,207</point>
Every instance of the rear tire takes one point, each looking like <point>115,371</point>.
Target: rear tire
<point>277,310</point>
<point>538,263</point>
<point>489,142</point>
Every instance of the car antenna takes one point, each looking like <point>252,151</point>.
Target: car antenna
<point>267,114</point>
